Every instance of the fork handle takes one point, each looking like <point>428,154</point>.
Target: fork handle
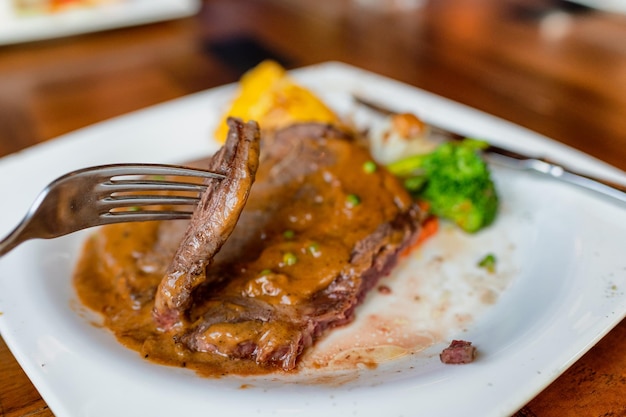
<point>11,241</point>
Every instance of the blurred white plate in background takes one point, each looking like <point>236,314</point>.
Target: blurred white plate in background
<point>16,26</point>
<point>615,6</point>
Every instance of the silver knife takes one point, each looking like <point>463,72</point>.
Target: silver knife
<point>520,161</point>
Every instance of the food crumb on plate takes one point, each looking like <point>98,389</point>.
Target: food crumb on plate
<point>459,352</point>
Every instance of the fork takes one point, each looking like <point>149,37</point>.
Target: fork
<point>109,194</point>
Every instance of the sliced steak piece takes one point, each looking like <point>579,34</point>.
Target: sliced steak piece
<point>317,232</point>
<point>212,222</point>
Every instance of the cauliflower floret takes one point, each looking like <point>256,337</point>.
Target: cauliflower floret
<point>398,136</point>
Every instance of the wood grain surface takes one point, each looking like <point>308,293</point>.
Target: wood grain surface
<point>546,65</point>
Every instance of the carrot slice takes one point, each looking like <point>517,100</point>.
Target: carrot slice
<point>430,227</point>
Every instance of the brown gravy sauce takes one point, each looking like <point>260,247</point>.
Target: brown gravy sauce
<point>293,253</point>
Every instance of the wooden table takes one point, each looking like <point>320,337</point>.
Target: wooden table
<point>558,70</point>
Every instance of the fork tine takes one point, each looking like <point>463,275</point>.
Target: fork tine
<point>143,215</point>
<point>120,186</point>
<point>147,200</point>
<point>117,170</point>
<point>119,179</point>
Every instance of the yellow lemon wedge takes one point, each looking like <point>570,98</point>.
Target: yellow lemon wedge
<point>268,95</point>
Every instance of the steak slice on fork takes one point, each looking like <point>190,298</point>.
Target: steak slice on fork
<point>212,222</point>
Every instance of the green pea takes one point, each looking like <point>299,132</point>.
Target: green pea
<point>314,249</point>
<point>352,200</point>
<point>369,167</point>
<point>289,259</point>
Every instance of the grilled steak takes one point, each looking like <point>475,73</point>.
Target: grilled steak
<point>212,222</point>
<point>316,234</point>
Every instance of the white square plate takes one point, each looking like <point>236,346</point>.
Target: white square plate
<point>562,249</point>
<point>15,28</point>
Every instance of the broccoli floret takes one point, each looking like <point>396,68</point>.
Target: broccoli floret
<point>455,181</point>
